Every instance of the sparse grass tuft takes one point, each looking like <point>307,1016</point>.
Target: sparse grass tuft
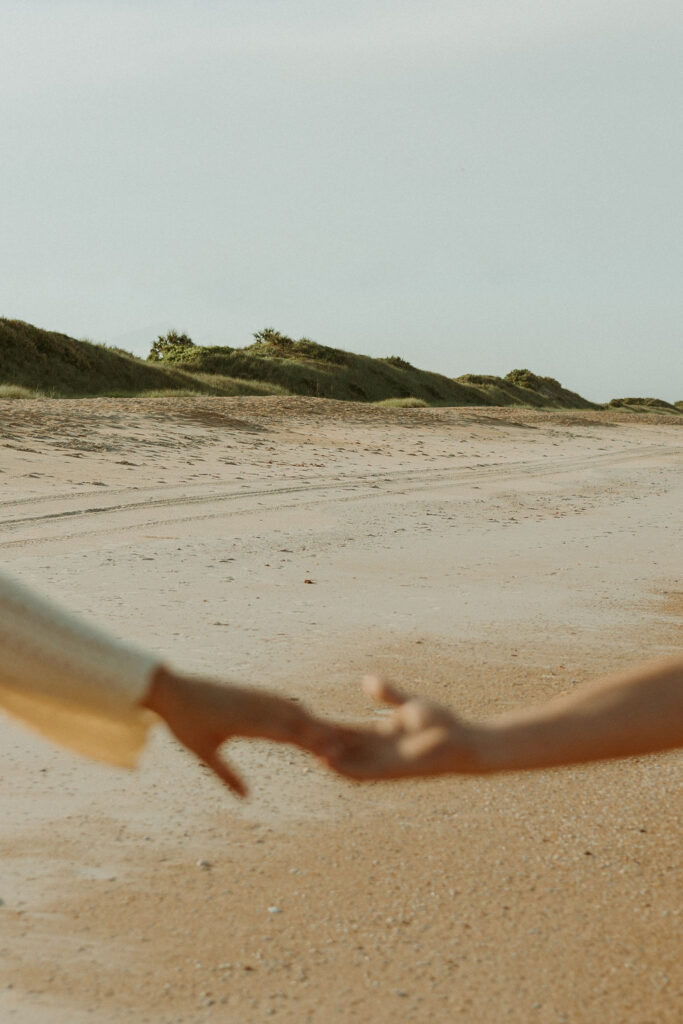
<point>154,393</point>
<point>403,403</point>
<point>398,362</point>
<point>16,391</point>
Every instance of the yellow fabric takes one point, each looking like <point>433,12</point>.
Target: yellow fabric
<point>116,740</point>
<point>69,681</point>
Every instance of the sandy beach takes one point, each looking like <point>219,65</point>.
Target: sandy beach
<point>489,558</point>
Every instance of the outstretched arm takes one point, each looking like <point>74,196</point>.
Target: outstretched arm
<point>638,711</point>
<point>79,686</point>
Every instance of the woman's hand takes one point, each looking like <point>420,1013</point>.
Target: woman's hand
<point>636,711</point>
<point>203,715</point>
<point>418,739</point>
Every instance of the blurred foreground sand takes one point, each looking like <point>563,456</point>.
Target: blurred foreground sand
<point>489,557</point>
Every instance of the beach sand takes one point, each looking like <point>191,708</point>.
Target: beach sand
<point>489,558</point>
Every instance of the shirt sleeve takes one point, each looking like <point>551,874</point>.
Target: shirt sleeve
<point>70,681</point>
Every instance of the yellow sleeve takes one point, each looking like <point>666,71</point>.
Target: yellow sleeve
<point>71,682</point>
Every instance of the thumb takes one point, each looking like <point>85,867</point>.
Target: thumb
<point>382,691</point>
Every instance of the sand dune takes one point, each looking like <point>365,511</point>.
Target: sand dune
<point>488,557</point>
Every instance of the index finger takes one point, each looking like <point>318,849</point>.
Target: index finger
<point>380,690</point>
<point>226,774</point>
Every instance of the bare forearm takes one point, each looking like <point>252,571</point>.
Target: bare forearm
<point>181,699</point>
<point>639,711</point>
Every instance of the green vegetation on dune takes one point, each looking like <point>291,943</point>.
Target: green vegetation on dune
<point>34,362</point>
<point>54,363</point>
<point>646,405</point>
<point>16,391</point>
<point>402,403</point>
<point>47,363</point>
<point>306,368</point>
<point>522,387</point>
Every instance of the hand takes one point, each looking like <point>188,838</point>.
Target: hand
<point>203,715</point>
<point>420,738</point>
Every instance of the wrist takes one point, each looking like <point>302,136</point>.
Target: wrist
<point>162,688</point>
<point>484,753</point>
<point>511,743</point>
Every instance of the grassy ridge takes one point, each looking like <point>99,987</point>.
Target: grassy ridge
<point>45,362</point>
<point>649,405</point>
<point>522,387</point>
<point>314,370</point>
<point>34,361</point>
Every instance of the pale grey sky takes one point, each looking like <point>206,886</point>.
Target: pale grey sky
<point>474,186</point>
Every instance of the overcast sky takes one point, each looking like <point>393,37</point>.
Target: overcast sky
<point>474,185</point>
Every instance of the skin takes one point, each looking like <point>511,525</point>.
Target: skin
<point>638,711</point>
<point>203,715</point>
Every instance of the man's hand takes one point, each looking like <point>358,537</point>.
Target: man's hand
<point>203,715</point>
<point>418,739</point>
